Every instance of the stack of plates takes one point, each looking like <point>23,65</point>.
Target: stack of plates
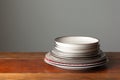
<point>76,53</point>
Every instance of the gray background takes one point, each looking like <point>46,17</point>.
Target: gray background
<point>32,25</point>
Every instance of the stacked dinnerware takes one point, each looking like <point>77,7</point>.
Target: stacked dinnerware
<point>76,53</point>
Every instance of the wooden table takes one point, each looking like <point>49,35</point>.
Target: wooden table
<point>31,66</point>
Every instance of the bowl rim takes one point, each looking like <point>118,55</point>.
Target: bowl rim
<point>57,40</point>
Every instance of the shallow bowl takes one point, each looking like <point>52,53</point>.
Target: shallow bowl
<point>77,42</point>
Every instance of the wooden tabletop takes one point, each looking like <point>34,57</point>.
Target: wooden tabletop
<point>31,66</point>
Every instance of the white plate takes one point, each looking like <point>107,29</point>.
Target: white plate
<point>74,64</point>
<point>79,68</point>
<point>80,60</point>
<point>76,67</point>
<point>65,55</point>
<point>68,50</point>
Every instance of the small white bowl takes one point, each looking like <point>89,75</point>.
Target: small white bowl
<point>64,55</point>
<point>80,47</point>
<point>77,42</point>
<point>77,51</point>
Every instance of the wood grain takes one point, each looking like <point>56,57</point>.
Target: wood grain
<point>31,66</point>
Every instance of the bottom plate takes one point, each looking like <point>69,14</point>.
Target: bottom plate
<point>76,67</point>
<point>79,68</point>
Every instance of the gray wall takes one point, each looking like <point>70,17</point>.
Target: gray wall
<point>32,25</point>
